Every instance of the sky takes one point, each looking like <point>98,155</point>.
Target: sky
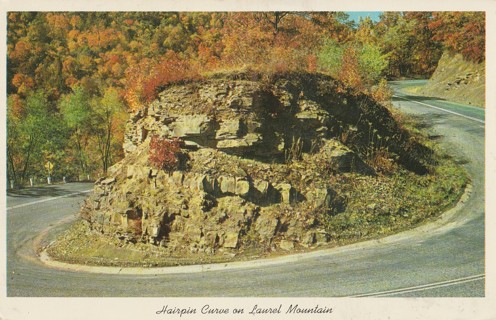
<point>355,15</point>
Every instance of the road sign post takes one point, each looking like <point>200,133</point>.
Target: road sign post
<point>49,167</point>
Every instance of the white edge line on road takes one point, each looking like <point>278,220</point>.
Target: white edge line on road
<point>438,108</point>
<point>424,287</point>
<point>49,199</point>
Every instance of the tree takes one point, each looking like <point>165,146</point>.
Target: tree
<point>274,18</point>
<point>372,63</point>
<point>356,64</point>
<point>366,33</point>
<point>30,136</point>
<point>461,32</point>
<point>331,57</point>
<point>396,41</point>
<point>107,111</point>
<point>76,111</point>
<point>425,52</point>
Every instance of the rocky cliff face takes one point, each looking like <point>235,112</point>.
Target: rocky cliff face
<point>258,154</point>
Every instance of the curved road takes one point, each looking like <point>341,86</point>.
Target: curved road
<point>444,259</point>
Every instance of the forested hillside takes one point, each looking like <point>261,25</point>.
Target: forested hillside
<point>73,77</point>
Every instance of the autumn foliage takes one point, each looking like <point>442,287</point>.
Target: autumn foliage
<point>134,55</point>
<point>461,32</point>
<point>146,78</point>
<point>164,153</point>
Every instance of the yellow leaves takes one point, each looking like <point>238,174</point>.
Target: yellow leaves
<point>134,45</point>
<point>57,21</point>
<point>16,105</point>
<point>75,21</point>
<point>69,65</point>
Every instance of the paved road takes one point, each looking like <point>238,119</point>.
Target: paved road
<point>445,259</point>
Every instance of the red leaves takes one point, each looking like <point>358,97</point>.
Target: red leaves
<point>164,153</point>
<point>145,78</point>
<point>169,70</point>
<point>462,32</point>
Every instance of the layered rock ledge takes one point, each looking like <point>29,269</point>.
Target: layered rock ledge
<point>257,162</point>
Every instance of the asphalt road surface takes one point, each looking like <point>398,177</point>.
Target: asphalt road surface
<point>444,259</point>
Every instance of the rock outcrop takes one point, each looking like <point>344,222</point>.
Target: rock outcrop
<point>457,79</point>
<point>258,157</point>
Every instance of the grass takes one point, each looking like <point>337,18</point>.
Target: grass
<point>382,205</point>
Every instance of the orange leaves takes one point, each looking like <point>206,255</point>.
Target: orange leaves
<point>206,57</point>
<point>112,66</point>
<point>75,21</point>
<point>350,73</point>
<point>382,92</point>
<point>101,38</point>
<point>23,83</point>
<point>146,77</point>
<point>58,21</point>
<point>462,32</point>
<point>16,106</point>
<point>245,40</point>
<point>21,51</point>
<point>312,63</point>
<point>269,42</point>
<point>171,68</point>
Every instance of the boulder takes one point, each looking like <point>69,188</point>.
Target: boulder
<point>321,237</point>
<point>340,158</point>
<point>188,126</point>
<point>309,239</point>
<point>227,184</point>
<point>287,192</point>
<point>243,187</point>
<point>231,240</point>
<point>235,187</point>
<point>321,197</point>
<point>266,226</point>
<point>287,245</point>
<point>261,190</point>
<point>229,129</point>
<point>233,144</point>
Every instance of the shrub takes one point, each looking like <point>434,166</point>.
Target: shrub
<point>382,92</point>
<point>164,153</point>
